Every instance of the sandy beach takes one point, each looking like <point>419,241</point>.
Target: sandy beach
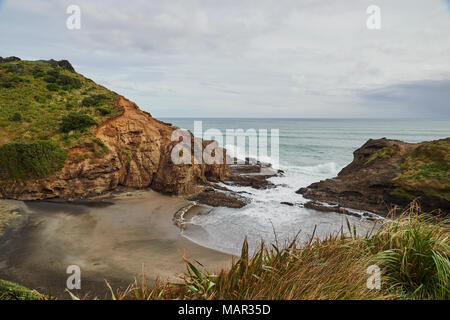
<point>116,239</point>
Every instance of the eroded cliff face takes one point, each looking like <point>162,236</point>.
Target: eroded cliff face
<point>389,173</point>
<point>133,150</point>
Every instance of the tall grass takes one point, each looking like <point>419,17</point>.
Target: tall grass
<point>412,252</point>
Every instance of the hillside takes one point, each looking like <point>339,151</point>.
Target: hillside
<point>63,135</point>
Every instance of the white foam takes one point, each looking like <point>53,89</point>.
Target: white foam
<point>226,228</point>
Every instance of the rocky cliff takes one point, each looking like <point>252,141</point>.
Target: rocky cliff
<point>389,173</point>
<point>133,150</point>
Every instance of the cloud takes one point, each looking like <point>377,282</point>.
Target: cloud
<point>419,98</point>
<point>302,58</point>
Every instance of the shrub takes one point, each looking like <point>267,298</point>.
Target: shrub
<point>9,59</point>
<point>103,147</point>
<point>16,117</point>
<point>7,84</point>
<point>93,100</point>
<point>52,87</point>
<point>62,80</point>
<point>50,79</point>
<point>10,81</point>
<point>37,73</point>
<point>76,121</point>
<point>103,111</point>
<point>66,65</point>
<point>68,82</point>
<point>14,68</point>
<point>20,160</point>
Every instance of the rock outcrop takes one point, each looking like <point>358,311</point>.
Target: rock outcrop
<point>133,150</point>
<point>389,173</point>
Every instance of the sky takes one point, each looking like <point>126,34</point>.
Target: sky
<point>242,58</point>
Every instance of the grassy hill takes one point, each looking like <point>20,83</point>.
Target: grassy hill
<point>45,108</point>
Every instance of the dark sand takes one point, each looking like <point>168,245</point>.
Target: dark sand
<point>115,239</point>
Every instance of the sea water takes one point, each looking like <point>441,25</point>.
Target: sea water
<point>310,150</point>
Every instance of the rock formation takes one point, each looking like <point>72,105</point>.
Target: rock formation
<point>136,153</point>
<point>390,173</point>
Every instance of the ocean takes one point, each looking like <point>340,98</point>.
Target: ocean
<point>310,150</point>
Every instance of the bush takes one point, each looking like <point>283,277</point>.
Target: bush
<point>52,87</point>
<point>16,117</point>
<point>37,73</point>
<point>9,59</point>
<point>66,65</point>
<point>50,79</point>
<point>14,68</point>
<point>10,81</point>
<point>76,121</point>
<point>20,160</point>
<point>103,111</point>
<point>93,100</point>
<point>66,82</point>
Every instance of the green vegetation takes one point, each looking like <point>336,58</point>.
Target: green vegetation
<point>103,111</point>
<point>17,116</point>
<point>76,121</point>
<point>21,160</point>
<point>383,153</point>
<point>99,143</point>
<point>44,101</point>
<point>402,192</point>
<point>94,100</point>
<point>12,291</point>
<point>412,252</point>
<point>427,169</point>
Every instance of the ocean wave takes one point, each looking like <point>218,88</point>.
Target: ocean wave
<point>329,168</point>
<point>241,154</point>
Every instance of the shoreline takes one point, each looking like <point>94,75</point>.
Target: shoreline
<point>116,239</point>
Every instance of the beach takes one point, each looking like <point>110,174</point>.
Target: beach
<point>116,239</point>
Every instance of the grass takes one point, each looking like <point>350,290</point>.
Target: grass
<point>386,152</point>
<point>412,252</point>
<point>21,160</point>
<point>49,101</point>
<point>12,291</point>
<point>427,169</point>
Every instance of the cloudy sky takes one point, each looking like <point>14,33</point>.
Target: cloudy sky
<point>242,58</point>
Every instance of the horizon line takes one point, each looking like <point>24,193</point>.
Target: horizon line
<point>304,118</point>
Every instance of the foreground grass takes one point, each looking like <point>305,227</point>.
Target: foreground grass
<point>412,252</point>
<point>12,291</point>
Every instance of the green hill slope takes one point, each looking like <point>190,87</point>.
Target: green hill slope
<point>46,108</point>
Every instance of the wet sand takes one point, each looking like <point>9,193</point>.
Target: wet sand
<point>116,239</point>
